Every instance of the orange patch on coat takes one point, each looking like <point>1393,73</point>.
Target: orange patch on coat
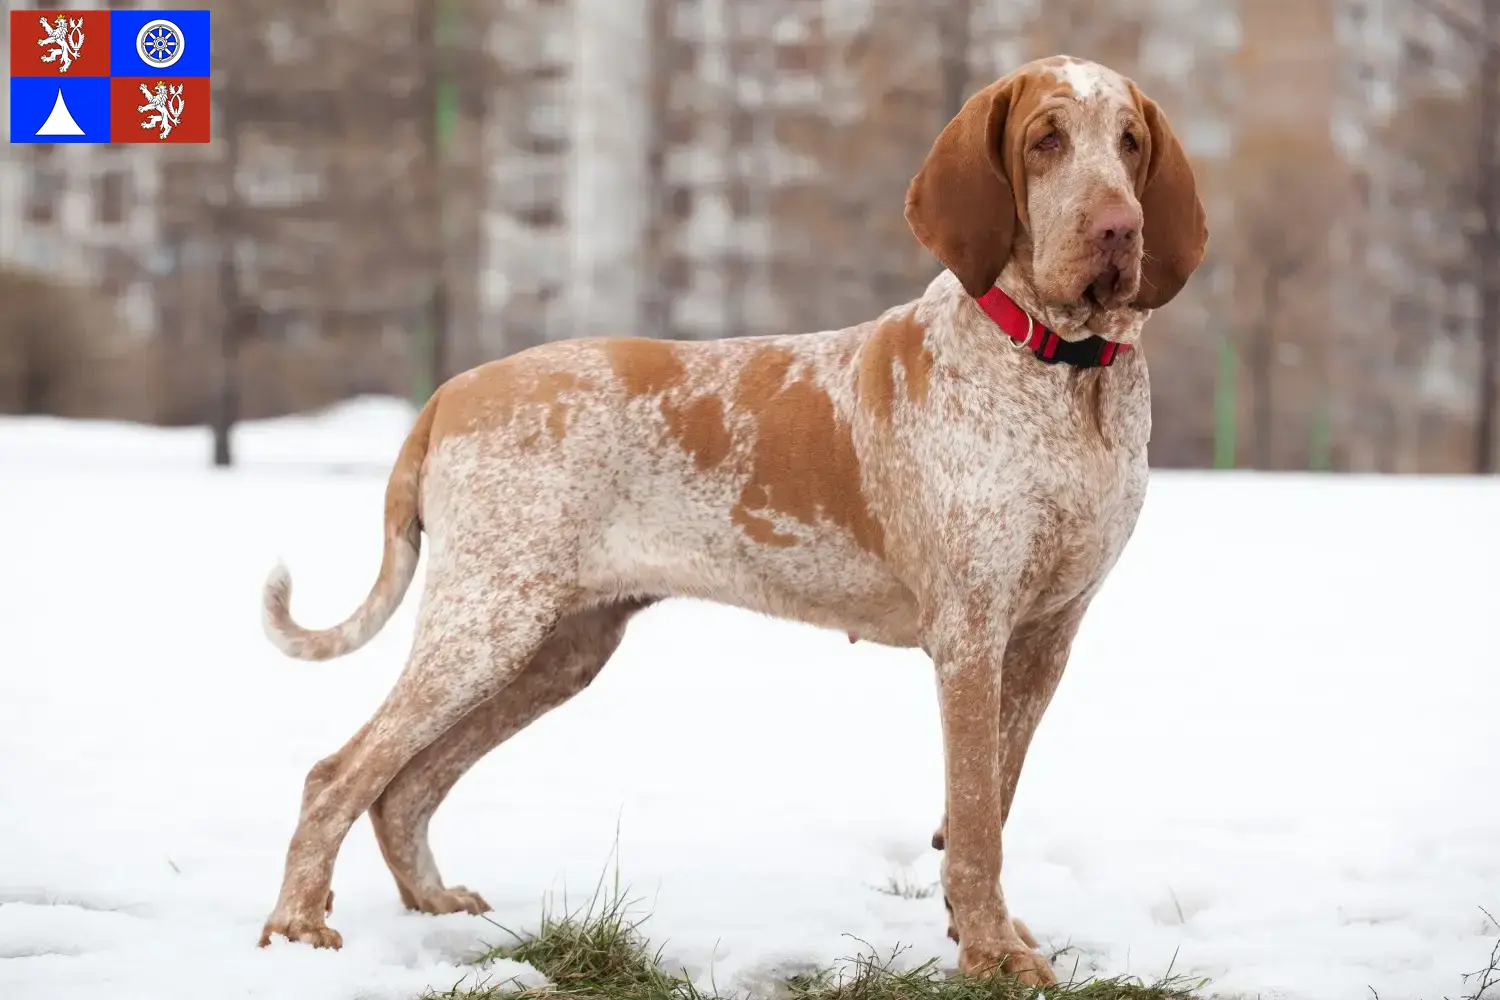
<point>655,368</point>
<point>645,367</point>
<point>803,464</point>
<point>897,341</point>
<point>698,426</point>
<point>495,393</point>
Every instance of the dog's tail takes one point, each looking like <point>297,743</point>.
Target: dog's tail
<point>398,564</point>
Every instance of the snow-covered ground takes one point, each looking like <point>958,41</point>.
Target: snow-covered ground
<point>1275,756</point>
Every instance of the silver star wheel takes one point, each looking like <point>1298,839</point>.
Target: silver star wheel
<point>160,43</point>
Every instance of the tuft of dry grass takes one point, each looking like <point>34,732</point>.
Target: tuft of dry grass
<point>600,952</point>
<point>905,886</point>
<point>871,978</point>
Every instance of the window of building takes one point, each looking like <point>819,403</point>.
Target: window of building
<point>1418,54</point>
<point>117,271</point>
<point>111,194</point>
<point>546,122</point>
<point>44,190</point>
<point>1362,188</point>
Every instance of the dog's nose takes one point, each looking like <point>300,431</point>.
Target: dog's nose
<point>1117,228</point>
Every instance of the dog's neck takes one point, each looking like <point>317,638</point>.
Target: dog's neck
<point>967,346</point>
<point>1070,322</point>
<point>967,340</point>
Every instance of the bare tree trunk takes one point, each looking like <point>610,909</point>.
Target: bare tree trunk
<point>1489,249</point>
<point>1388,458</point>
<point>435,74</point>
<point>662,59</point>
<point>1260,386</point>
<point>230,224</point>
<point>227,404</point>
<point>953,35</point>
<point>1262,361</point>
<point>740,122</point>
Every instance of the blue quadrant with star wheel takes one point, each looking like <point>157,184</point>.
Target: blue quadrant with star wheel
<point>183,34</point>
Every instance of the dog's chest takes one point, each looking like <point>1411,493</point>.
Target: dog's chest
<point>1043,489</point>
<point>1079,534</point>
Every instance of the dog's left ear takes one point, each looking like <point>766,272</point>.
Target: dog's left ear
<point>1175,232</point>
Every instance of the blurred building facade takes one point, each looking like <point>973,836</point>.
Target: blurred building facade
<point>710,168</point>
<point>1407,128</point>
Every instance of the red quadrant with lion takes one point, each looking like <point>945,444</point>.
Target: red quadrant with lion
<point>61,43</point>
<point>159,109</point>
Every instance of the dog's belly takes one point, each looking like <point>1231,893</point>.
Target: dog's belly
<point>823,578</point>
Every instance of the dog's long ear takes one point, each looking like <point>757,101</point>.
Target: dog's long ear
<point>961,205</point>
<point>1175,232</point>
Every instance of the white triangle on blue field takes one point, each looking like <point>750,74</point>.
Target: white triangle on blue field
<point>60,121</point>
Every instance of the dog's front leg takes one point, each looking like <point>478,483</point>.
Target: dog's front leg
<point>969,654</point>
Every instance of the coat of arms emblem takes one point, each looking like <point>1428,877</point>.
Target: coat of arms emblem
<point>166,103</point>
<point>64,37</point>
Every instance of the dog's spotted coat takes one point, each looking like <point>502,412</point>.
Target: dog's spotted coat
<point>915,481</point>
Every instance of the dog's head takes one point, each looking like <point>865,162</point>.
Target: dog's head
<point>1067,172</point>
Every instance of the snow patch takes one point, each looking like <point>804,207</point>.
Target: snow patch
<point>1273,756</point>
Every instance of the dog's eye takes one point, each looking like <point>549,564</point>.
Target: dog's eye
<point>1128,141</point>
<point>1046,142</point>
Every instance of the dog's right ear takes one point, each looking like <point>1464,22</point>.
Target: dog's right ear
<point>961,205</point>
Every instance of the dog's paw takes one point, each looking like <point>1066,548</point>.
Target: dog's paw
<point>309,930</point>
<point>453,900</point>
<point>1024,965</point>
<point>1019,960</point>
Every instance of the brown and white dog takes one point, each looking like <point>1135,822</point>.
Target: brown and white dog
<point>959,475</point>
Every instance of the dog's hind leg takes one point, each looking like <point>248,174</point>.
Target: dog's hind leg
<point>479,628</point>
<point>564,666</point>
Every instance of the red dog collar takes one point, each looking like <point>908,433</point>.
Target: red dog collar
<point>1093,352</point>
